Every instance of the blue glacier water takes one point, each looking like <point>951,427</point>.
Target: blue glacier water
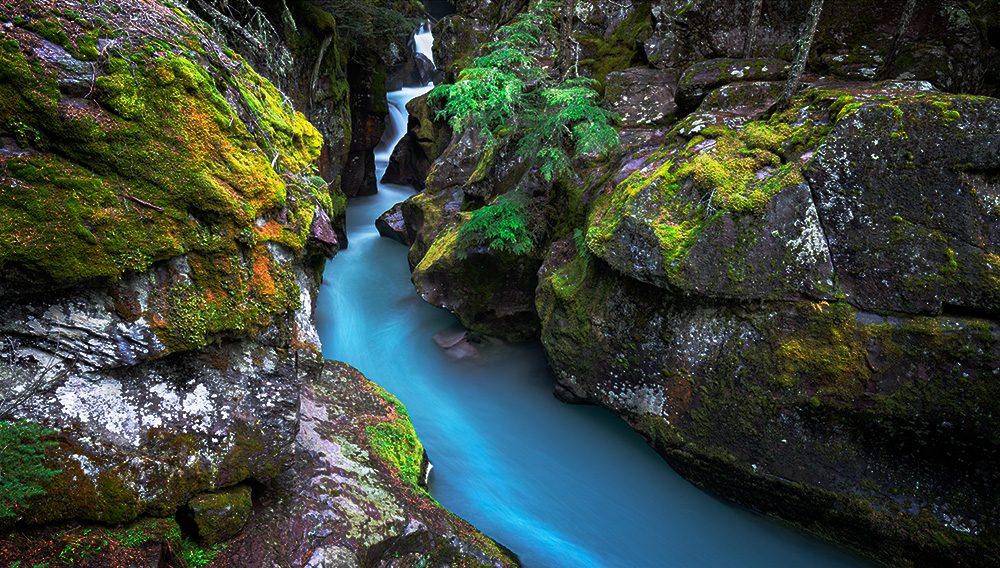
<point>560,485</point>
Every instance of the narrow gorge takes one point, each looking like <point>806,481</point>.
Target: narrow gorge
<point>792,300</point>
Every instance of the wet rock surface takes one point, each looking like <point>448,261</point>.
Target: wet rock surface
<point>357,492</point>
<point>162,227</point>
<point>795,307</point>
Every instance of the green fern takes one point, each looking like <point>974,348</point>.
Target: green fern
<point>501,226</point>
<point>552,119</point>
<point>22,468</point>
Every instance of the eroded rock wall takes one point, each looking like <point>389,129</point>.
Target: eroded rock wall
<point>165,215</point>
<point>795,308</point>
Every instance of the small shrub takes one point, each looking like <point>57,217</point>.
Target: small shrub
<point>500,226</point>
<point>22,468</point>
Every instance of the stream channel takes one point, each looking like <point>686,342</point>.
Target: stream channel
<point>560,485</point>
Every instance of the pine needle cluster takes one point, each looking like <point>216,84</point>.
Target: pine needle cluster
<point>22,467</point>
<point>510,98</point>
<point>514,102</point>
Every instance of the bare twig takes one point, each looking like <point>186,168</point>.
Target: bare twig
<point>146,203</point>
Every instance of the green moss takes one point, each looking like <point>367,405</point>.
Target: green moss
<point>727,171</point>
<point>160,166</point>
<point>829,356</point>
<point>618,50</point>
<point>395,441</point>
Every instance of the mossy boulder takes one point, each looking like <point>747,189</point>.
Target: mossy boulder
<point>875,431</point>
<point>159,236</point>
<point>907,192</point>
<point>358,491</point>
<point>723,214</point>
<point>491,292</point>
<point>221,514</point>
<point>425,215</point>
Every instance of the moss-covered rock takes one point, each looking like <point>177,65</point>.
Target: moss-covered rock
<point>491,292</point>
<point>159,230</point>
<point>221,514</point>
<point>723,214</point>
<point>358,491</point>
<point>875,431</point>
<point>906,190</point>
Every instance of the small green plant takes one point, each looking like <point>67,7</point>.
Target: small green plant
<point>197,556</point>
<point>22,467</point>
<point>501,226</point>
<point>81,545</point>
<point>510,98</point>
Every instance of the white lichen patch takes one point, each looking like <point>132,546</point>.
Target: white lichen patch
<point>809,247</point>
<point>88,467</point>
<point>101,404</point>
<point>699,335</point>
<point>198,402</point>
<point>646,400</point>
<point>304,322</point>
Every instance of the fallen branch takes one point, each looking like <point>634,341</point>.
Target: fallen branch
<point>146,203</point>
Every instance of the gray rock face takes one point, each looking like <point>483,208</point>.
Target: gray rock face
<point>144,431</point>
<point>343,502</point>
<point>705,76</point>
<point>908,197</point>
<point>641,96</point>
<point>940,45</point>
